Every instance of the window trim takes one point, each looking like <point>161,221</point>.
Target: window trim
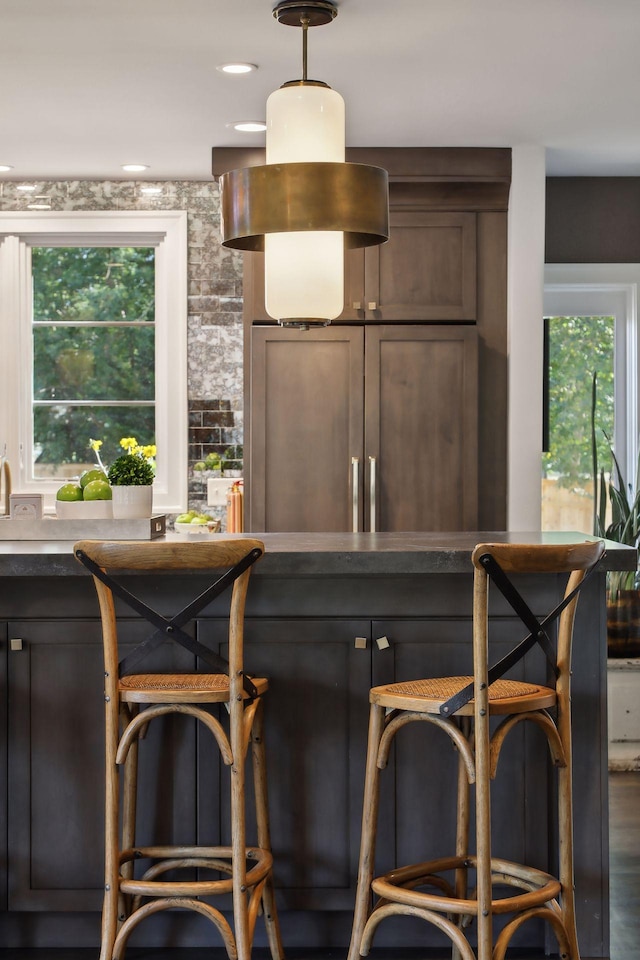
<point>167,232</point>
<point>597,289</point>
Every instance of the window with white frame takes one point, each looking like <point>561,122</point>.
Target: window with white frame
<point>591,313</point>
<point>93,333</point>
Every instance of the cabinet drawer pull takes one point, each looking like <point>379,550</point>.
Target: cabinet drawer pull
<point>357,304</point>
<point>15,643</point>
<point>361,643</point>
<point>372,305</point>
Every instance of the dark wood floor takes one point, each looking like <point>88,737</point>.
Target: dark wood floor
<point>624,801</point>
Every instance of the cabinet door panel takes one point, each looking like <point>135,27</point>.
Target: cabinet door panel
<point>56,766</point>
<point>427,270</point>
<point>306,426</point>
<point>315,731</point>
<point>421,426</point>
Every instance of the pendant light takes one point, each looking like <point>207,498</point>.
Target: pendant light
<point>306,204</point>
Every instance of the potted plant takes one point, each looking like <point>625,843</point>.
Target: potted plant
<point>616,516</point>
<point>131,477</point>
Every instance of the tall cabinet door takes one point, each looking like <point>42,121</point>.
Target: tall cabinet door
<point>421,413</point>
<point>306,428</point>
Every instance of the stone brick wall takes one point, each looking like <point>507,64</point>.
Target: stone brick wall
<point>214,334</point>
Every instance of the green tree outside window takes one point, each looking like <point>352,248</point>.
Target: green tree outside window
<point>93,350</point>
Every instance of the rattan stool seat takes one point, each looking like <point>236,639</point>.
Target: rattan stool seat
<point>180,687</point>
<point>427,696</point>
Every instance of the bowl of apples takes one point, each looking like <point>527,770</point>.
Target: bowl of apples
<point>193,522</point>
<point>89,498</point>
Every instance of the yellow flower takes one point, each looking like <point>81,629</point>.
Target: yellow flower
<point>149,450</point>
<point>95,444</point>
<point>128,443</point>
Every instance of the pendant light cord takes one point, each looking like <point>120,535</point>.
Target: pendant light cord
<point>304,23</point>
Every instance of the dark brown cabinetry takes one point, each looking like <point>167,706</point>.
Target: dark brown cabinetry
<point>445,264</point>
<point>56,775</point>
<point>367,428</point>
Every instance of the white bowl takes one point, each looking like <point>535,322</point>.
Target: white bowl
<point>84,510</point>
<point>195,527</point>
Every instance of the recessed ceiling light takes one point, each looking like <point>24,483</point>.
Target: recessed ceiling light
<point>26,187</point>
<point>236,68</point>
<point>4,168</point>
<point>151,191</point>
<point>248,126</point>
<point>135,167</point>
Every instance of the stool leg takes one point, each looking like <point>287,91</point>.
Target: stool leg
<point>111,840</point>
<point>462,830</point>
<point>483,840</point>
<point>129,802</point>
<point>565,837</point>
<point>369,828</point>
<point>264,838</point>
<point>462,818</point>
<point>238,836</point>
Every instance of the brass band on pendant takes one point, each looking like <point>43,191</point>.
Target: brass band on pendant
<point>287,197</point>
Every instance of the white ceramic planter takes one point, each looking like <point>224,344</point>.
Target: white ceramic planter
<point>132,503</point>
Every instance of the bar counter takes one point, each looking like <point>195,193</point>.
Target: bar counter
<point>328,616</point>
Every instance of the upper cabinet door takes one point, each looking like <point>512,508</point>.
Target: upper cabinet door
<point>426,271</point>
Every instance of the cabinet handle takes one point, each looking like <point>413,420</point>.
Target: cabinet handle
<point>355,483</point>
<point>372,305</point>
<point>357,304</point>
<point>15,643</point>
<point>372,494</point>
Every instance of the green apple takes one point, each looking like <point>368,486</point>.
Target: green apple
<point>97,490</point>
<point>197,520</point>
<point>183,518</point>
<point>94,474</point>
<point>69,492</point>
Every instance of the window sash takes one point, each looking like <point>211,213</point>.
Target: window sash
<point>167,232</point>
<point>584,290</point>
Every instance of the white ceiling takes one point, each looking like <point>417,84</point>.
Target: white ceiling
<point>86,85</point>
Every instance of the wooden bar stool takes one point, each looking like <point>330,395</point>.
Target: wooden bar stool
<point>462,708</point>
<point>133,700</point>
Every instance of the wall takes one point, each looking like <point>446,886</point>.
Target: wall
<point>525,296</point>
<point>214,344</point>
<point>592,220</point>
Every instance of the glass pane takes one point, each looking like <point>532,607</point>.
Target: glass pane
<point>577,347</point>
<point>93,363</point>
<point>62,433</point>
<point>93,283</point>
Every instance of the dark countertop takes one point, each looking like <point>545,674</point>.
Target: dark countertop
<point>325,554</point>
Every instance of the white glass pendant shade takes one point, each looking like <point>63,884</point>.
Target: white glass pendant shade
<point>304,271</point>
<point>305,124</point>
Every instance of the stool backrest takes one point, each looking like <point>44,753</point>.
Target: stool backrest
<point>497,561</point>
<point>219,557</point>
<point>494,562</point>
